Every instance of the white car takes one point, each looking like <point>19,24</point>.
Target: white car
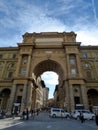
<point>86,113</point>
<point>58,112</point>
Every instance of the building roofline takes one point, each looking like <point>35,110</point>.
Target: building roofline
<point>9,48</point>
<point>89,47</point>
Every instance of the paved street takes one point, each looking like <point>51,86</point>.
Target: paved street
<point>44,122</point>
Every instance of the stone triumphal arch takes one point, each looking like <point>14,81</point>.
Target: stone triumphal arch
<point>50,51</point>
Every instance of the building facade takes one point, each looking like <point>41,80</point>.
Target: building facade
<point>76,65</point>
<point>45,97</point>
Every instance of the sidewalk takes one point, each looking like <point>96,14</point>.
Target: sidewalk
<point>10,118</point>
<point>8,122</point>
<point>41,116</point>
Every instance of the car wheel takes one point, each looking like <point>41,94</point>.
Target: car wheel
<point>67,116</point>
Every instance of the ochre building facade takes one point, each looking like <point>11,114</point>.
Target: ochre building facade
<point>76,65</point>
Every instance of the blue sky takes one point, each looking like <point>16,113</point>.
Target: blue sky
<point>51,79</point>
<point>20,16</point>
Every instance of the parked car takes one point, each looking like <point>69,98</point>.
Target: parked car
<point>86,113</point>
<point>58,112</point>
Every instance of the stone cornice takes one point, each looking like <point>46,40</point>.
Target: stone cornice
<point>88,47</point>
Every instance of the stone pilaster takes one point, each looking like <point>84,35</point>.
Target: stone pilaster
<point>18,65</point>
<point>96,70</point>
<point>28,65</point>
<point>33,98</point>
<point>84,96</point>
<point>67,98</point>
<point>4,68</point>
<point>11,100</point>
<point>72,104</point>
<point>78,65</point>
<point>29,97</point>
<point>68,66</point>
<point>24,98</point>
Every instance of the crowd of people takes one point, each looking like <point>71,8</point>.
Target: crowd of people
<point>26,114</point>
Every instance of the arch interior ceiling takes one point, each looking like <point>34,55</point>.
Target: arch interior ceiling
<point>48,65</point>
<point>92,91</point>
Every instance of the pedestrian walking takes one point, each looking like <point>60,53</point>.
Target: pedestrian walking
<point>27,113</point>
<point>37,112</point>
<point>82,117</point>
<point>13,114</point>
<point>96,119</point>
<point>2,113</point>
<point>33,113</point>
<point>24,114</point>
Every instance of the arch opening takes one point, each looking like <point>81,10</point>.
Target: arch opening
<point>51,80</point>
<point>5,92</point>
<point>4,98</point>
<point>92,99</point>
<point>50,67</point>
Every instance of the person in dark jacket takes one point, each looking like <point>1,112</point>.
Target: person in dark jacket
<point>82,117</point>
<point>96,119</point>
<point>27,113</point>
<point>23,114</point>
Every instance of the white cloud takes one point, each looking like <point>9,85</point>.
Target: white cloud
<point>88,36</point>
<point>35,18</point>
<point>38,21</point>
<point>94,11</point>
<point>47,25</point>
<point>50,78</point>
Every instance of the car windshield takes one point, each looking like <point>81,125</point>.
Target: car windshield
<point>84,111</point>
<point>56,110</point>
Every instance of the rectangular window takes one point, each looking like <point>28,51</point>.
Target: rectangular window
<point>72,61</point>
<point>73,72</point>
<point>23,72</point>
